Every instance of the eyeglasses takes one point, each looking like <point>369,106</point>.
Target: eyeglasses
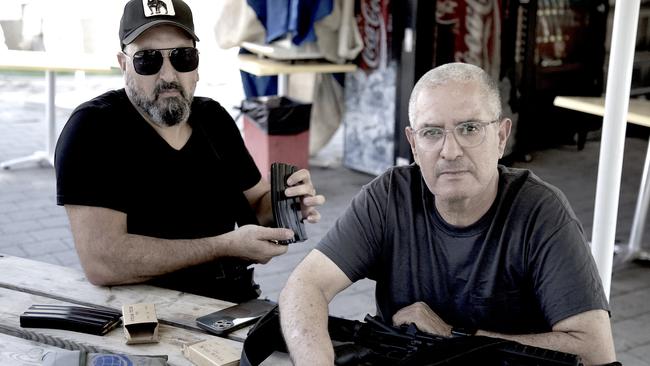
<point>467,134</point>
<point>149,62</point>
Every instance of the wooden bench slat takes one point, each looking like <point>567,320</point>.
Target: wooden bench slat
<point>21,352</point>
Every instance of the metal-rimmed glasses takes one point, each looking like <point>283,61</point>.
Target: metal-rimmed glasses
<point>149,62</point>
<point>467,134</point>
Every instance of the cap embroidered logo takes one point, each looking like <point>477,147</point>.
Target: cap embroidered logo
<point>158,7</point>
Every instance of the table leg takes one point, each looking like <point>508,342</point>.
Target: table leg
<point>633,250</point>
<point>283,85</point>
<point>44,158</point>
<point>50,114</point>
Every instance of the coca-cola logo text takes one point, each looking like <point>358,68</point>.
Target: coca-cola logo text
<point>373,32</point>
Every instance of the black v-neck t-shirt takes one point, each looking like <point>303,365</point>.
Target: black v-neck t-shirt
<point>109,156</point>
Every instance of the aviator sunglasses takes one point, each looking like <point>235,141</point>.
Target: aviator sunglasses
<point>149,62</point>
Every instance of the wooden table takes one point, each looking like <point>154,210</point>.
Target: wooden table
<point>639,114</point>
<point>638,110</point>
<point>51,63</point>
<point>25,282</point>
<point>21,352</point>
<point>260,66</point>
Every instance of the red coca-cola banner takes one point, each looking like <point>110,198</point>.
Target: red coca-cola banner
<point>374,22</point>
<point>476,26</point>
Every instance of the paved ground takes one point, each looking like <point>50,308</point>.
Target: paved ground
<point>32,226</point>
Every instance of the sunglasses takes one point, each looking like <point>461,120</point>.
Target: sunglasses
<point>149,62</point>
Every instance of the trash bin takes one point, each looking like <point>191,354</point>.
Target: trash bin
<point>276,129</point>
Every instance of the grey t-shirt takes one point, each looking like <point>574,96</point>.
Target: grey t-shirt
<point>524,266</point>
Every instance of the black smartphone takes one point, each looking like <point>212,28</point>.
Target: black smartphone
<point>235,317</point>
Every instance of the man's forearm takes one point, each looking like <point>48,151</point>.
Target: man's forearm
<point>303,316</point>
<point>592,352</point>
<point>136,258</point>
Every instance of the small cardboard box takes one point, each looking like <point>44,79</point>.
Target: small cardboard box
<point>213,352</point>
<point>140,323</point>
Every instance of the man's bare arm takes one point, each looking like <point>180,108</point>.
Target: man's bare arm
<point>587,334</point>
<point>304,310</point>
<point>111,256</point>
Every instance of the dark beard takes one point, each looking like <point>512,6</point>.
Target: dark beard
<point>165,112</point>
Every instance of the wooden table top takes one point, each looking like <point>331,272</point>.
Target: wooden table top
<point>638,110</point>
<point>27,282</point>
<point>50,61</point>
<point>255,65</point>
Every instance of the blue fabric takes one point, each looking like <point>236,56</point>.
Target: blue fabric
<point>257,86</point>
<point>296,17</point>
<point>279,17</point>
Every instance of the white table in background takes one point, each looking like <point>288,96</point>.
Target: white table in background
<point>260,66</point>
<point>50,63</point>
<point>639,114</point>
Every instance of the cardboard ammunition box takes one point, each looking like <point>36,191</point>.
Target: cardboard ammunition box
<point>213,352</point>
<point>140,323</point>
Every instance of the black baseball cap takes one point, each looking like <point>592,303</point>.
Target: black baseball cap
<point>140,15</point>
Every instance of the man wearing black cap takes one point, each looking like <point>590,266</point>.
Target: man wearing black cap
<point>155,180</point>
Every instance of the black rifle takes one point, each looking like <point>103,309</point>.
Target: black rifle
<point>375,343</point>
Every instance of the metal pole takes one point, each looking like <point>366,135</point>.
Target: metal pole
<point>283,85</point>
<point>50,114</point>
<point>610,164</point>
<point>640,213</point>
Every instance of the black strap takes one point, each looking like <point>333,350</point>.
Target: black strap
<point>264,338</point>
